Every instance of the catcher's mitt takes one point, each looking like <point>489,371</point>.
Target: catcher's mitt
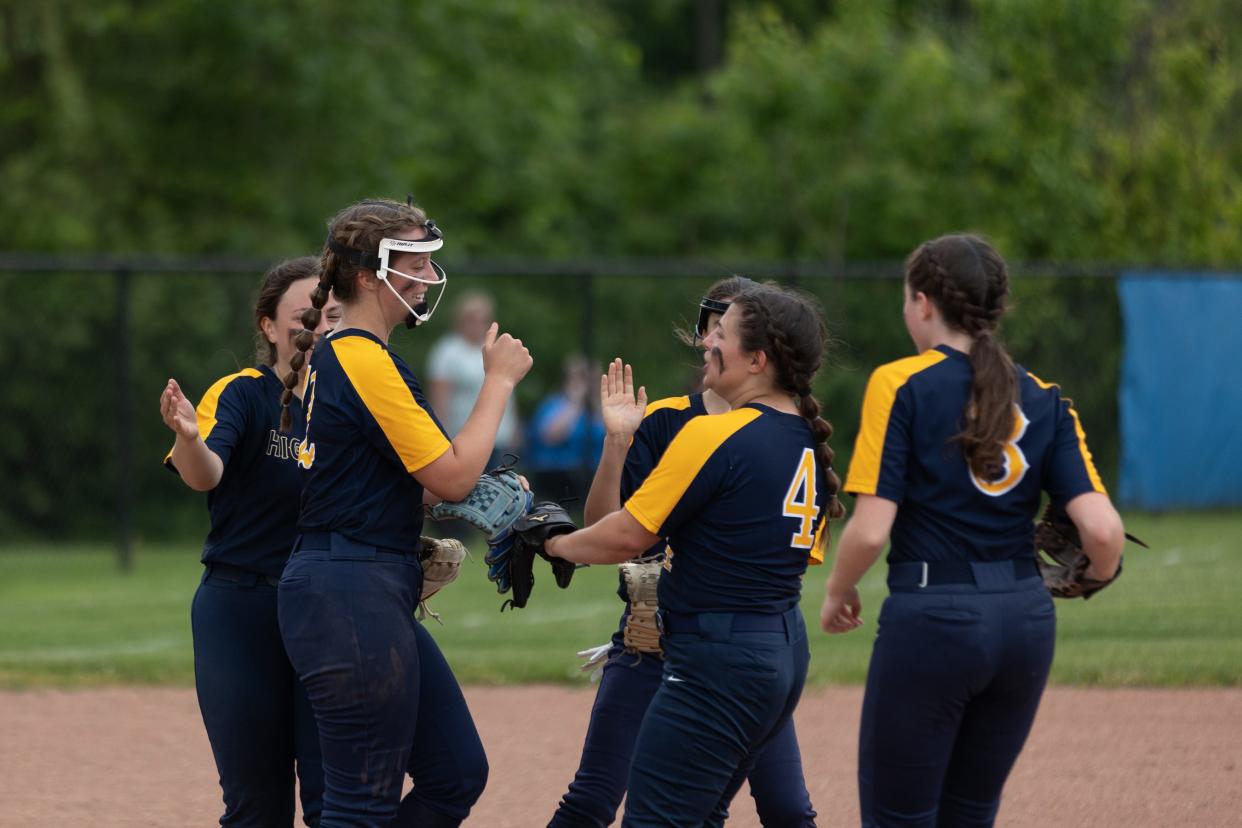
<point>1060,558</point>
<point>642,580</point>
<point>529,532</point>
<point>495,502</point>
<point>441,559</point>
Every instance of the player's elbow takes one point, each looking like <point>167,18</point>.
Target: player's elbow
<point>1100,530</point>
<point>455,490</point>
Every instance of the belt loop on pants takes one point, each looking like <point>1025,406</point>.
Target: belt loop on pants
<point>984,576</point>
<point>236,575</point>
<point>714,624</point>
<point>337,547</point>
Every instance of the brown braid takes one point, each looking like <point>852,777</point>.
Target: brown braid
<point>360,226</point>
<point>789,327</point>
<point>969,282</point>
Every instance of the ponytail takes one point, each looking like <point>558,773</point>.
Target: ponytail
<point>969,283</point>
<point>809,408</point>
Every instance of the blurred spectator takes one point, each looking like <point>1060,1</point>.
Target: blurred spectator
<point>455,371</point>
<point>455,375</point>
<point>566,435</point>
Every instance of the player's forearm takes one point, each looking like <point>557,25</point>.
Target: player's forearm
<point>199,466</point>
<point>473,445</point>
<point>1101,532</point>
<point>616,538</point>
<point>604,498</point>
<point>857,551</point>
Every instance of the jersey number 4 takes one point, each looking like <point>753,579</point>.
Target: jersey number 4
<point>800,501</point>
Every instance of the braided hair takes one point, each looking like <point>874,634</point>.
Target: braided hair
<point>969,282</point>
<point>360,227</point>
<point>788,326</point>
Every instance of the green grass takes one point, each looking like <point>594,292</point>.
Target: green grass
<point>68,617</point>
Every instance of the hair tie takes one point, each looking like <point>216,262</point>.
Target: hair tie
<point>804,392</point>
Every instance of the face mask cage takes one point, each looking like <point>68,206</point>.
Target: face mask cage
<point>706,308</point>
<point>432,240</point>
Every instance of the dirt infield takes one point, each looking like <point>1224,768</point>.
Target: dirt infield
<point>1097,758</point>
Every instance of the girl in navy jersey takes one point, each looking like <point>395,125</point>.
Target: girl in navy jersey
<point>256,713</point>
<point>386,702</point>
<point>955,446</point>
<point>742,499</point>
<point>637,436</point>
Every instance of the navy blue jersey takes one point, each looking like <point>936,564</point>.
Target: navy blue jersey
<point>661,422</point>
<point>739,498</point>
<point>906,453</point>
<point>368,429</point>
<point>254,507</point>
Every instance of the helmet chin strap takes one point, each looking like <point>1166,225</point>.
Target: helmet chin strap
<point>420,313</point>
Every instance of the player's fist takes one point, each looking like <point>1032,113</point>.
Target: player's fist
<point>177,412</point>
<point>505,357</point>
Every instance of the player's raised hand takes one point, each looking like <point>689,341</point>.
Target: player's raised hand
<point>621,411</point>
<point>177,412</point>
<point>505,357</point>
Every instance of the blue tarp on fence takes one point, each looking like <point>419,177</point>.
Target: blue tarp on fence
<point>1181,391</point>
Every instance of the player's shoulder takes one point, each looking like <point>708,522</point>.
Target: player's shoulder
<point>669,405</point>
<point>1037,392</point>
<point>243,381</point>
<point>900,371</point>
<point>712,432</point>
<point>360,352</point>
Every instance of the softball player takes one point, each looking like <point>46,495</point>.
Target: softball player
<point>255,711</point>
<point>385,700</point>
<point>742,498</point>
<point>636,441</point>
<point>954,449</point>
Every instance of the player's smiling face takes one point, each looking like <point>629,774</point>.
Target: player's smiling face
<point>416,265</point>
<point>296,300</point>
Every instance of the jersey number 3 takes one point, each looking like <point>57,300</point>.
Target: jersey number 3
<point>800,501</point>
<point>1015,464</point>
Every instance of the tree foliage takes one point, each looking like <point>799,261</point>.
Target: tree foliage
<point>1085,130</point>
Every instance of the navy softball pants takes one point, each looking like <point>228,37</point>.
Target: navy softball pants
<point>256,713</point>
<point>626,688</point>
<point>729,687</point>
<point>385,699</point>
<point>956,676</point>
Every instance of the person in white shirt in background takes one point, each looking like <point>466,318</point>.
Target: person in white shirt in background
<point>455,374</point>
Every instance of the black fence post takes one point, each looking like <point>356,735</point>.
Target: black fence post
<point>124,423</point>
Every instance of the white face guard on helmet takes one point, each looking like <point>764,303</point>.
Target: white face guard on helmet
<point>432,240</point>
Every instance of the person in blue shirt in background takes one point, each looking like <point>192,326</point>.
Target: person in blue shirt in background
<point>566,435</point>
<point>256,713</point>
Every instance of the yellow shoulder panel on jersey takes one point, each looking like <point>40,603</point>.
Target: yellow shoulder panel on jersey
<point>683,459</point>
<point>823,536</point>
<point>882,390</point>
<point>410,430</point>
<point>205,414</point>
<point>1092,474</point>
<point>675,403</point>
